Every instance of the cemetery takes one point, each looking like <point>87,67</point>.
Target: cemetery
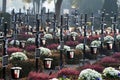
<point>70,45</point>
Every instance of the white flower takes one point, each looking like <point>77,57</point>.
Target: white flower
<point>98,31</point>
<point>48,36</point>
<point>110,71</point>
<point>16,42</point>
<point>66,48</point>
<point>81,47</point>
<point>118,37</point>
<point>108,38</point>
<point>74,34</point>
<point>95,43</point>
<point>45,51</point>
<point>31,40</point>
<point>18,56</point>
<point>89,74</point>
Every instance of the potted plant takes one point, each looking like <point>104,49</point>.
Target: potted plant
<point>111,73</point>
<point>46,53</point>
<point>74,35</point>
<point>89,74</point>
<point>18,56</point>
<point>94,45</point>
<point>109,41</point>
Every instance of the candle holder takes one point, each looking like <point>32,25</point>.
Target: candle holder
<point>16,72</point>
<point>43,42</point>
<point>48,63</point>
<point>94,49</point>
<point>70,54</point>
<point>109,45</point>
<point>22,44</point>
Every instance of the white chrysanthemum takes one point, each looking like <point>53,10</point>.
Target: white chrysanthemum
<point>16,42</point>
<point>118,37</point>
<point>74,34</point>
<point>81,47</point>
<point>66,48</point>
<point>45,51</point>
<point>110,71</point>
<point>89,74</point>
<point>31,40</point>
<point>48,36</point>
<point>108,38</point>
<point>98,31</point>
<point>95,43</point>
<point>18,56</point>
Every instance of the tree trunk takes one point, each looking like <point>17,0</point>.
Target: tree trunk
<point>58,8</point>
<point>3,5</point>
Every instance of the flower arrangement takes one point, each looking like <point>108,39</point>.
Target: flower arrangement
<point>95,43</point>
<point>37,76</point>
<point>96,67</point>
<point>31,40</point>
<point>24,36</point>
<point>109,60</point>
<point>52,46</point>
<point>108,38</point>
<point>48,36</point>
<point>116,55</point>
<point>68,73</point>
<point>89,74</point>
<point>72,43</point>
<point>11,50</point>
<point>18,56</point>
<point>81,47</point>
<point>118,37</point>
<point>111,73</point>
<point>98,31</point>
<point>45,51</point>
<point>74,34</point>
<point>16,42</point>
<point>30,48</point>
<point>66,48</point>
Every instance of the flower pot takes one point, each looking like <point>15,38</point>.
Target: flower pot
<point>70,54</point>
<point>93,49</point>
<point>109,45</point>
<point>48,63</point>
<point>43,42</point>
<point>22,44</point>
<point>74,38</point>
<point>15,72</point>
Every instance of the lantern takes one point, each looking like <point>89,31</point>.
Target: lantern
<point>15,72</point>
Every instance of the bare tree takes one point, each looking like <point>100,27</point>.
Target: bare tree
<point>57,8</point>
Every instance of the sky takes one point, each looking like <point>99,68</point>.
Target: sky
<point>17,4</point>
<point>13,4</point>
